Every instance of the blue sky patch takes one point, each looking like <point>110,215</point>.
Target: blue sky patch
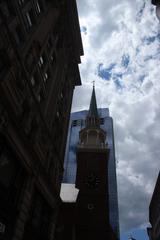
<point>84,30</point>
<point>105,73</point>
<point>118,84</point>
<point>141,78</point>
<point>149,40</point>
<point>147,58</point>
<point>140,13</point>
<point>118,75</point>
<point>137,50</point>
<point>125,60</point>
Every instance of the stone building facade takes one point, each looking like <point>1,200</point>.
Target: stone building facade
<point>40,49</point>
<point>154,213</point>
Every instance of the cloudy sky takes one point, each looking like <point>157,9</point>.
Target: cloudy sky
<point>121,42</point>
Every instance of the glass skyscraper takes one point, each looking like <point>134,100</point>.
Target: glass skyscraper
<point>77,122</point>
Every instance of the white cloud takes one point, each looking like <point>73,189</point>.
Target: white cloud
<point>113,30</point>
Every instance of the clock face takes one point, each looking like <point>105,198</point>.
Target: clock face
<point>92,181</point>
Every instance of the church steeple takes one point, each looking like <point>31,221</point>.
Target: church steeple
<point>93,119</point>
<point>93,112</point>
<point>92,134</point>
<point>92,205</point>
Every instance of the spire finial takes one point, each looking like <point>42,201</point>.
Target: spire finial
<point>93,83</point>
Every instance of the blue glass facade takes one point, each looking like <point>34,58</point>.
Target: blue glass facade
<point>77,122</point>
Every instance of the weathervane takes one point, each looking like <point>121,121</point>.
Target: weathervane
<point>93,83</point>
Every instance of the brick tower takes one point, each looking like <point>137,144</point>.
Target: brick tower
<point>92,207</point>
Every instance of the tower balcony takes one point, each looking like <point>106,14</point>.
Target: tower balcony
<point>93,147</point>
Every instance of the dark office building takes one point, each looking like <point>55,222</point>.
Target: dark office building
<point>154,213</point>
<point>40,48</point>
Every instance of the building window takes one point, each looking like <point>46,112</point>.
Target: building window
<point>74,123</point>
<point>57,114</point>
<point>78,122</point>
<point>41,61</point>
<point>38,8</point>
<point>39,97</point>
<point>61,95</point>
<point>18,34</point>
<point>21,2</point>
<point>53,58</point>
<point>45,77</point>
<point>30,18</point>
<point>33,81</point>
<point>101,121</point>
